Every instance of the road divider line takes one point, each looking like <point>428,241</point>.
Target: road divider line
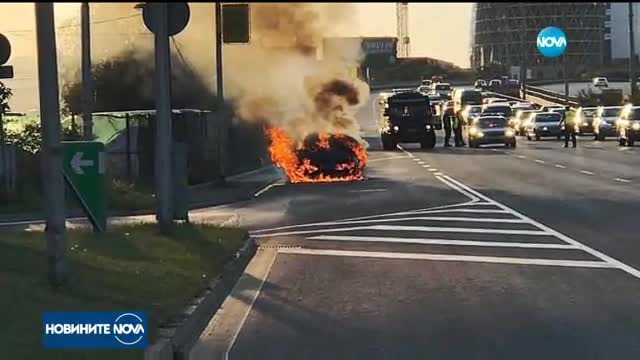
<point>606,258</point>
<point>410,228</point>
<point>401,240</point>
<point>367,190</point>
<point>439,174</point>
<point>622,180</point>
<point>426,166</point>
<point>389,158</point>
<point>540,161</point>
<point>265,189</point>
<point>472,198</point>
<point>560,166</point>
<point>415,159</point>
<point>433,170</point>
<point>443,257</point>
<point>521,156</point>
<point>587,172</point>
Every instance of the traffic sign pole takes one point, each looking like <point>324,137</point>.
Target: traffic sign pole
<point>163,151</point>
<point>51,148</point>
<point>87,81</point>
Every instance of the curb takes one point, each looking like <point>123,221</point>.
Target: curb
<point>177,337</point>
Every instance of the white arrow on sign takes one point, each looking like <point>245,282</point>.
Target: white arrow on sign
<point>77,163</point>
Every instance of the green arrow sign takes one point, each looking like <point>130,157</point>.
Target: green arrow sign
<point>84,165</point>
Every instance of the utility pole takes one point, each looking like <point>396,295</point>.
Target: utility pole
<point>523,54</point>
<point>87,80</point>
<point>632,52</point>
<point>219,83</point>
<point>566,78</point>
<point>164,138</point>
<point>51,147</point>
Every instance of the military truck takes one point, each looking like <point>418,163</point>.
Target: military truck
<point>408,118</point>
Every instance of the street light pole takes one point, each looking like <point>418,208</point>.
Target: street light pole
<point>87,81</point>
<point>219,83</point>
<point>51,147</point>
<point>164,138</point>
<point>632,51</point>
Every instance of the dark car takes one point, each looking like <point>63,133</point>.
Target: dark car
<point>501,108</point>
<point>584,119</point>
<point>604,123</point>
<point>629,126</point>
<point>544,124</point>
<point>408,117</point>
<point>491,130</point>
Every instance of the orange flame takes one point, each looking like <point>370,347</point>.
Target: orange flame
<point>282,150</point>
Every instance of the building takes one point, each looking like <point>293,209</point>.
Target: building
<point>505,34</point>
<point>617,30</point>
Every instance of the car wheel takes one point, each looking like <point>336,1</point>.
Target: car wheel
<point>513,144</point>
<point>622,142</point>
<point>528,137</point>
<point>537,137</point>
<point>630,142</point>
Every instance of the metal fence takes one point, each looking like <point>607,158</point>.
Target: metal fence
<point>217,146</point>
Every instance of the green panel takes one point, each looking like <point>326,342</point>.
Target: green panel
<point>235,23</point>
<point>84,168</point>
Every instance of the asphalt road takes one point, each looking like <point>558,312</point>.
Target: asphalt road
<point>453,253</point>
<point>575,88</point>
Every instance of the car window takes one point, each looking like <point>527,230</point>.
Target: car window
<point>548,118</point>
<point>492,122</point>
<point>611,112</point>
<point>634,114</point>
<point>443,87</point>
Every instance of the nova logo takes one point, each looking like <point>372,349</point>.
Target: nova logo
<point>94,330</point>
<point>551,42</point>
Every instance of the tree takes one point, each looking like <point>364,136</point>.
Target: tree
<point>5,95</point>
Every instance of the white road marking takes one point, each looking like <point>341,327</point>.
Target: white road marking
<point>622,180</point>
<point>426,166</point>
<point>611,261</point>
<point>442,257</point>
<point>433,170</point>
<point>540,161</point>
<point>368,190</point>
<point>479,211</point>
<point>265,189</point>
<point>416,159</point>
<point>521,156</point>
<point>438,173</point>
<point>442,242</point>
<point>415,218</point>
<point>560,166</point>
<point>389,158</point>
<point>587,172</point>
<point>412,228</point>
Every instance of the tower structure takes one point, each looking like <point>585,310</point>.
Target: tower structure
<point>402,14</point>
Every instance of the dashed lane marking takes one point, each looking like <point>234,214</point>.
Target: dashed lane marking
<point>622,180</point>
<point>521,156</point>
<point>587,172</point>
<point>540,161</point>
<point>560,166</point>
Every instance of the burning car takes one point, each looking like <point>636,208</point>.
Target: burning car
<point>318,158</point>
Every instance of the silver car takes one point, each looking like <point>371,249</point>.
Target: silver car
<point>544,124</point>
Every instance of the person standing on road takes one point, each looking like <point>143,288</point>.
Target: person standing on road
<point>447,114</point>
<point>458,131</point>
<point>570,128</point>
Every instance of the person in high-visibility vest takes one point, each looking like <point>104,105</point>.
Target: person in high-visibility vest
<point>570,128</point>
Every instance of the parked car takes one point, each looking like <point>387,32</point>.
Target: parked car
<point>604,122</point>
<point>471,112</point>
<point>498,108</point>
<point>629,125</point>
<point>425,82</point>
<point>544,124</point>
<point>491,130</point>
<point>480,83</point>
<point>424,89</point>
<point>495,83</point>
<point>442,89</point>
<point>584,118</point>
<point>600,82</point>
<point>520,120</point>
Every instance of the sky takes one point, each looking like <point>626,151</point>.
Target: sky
<point>437,30</point>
